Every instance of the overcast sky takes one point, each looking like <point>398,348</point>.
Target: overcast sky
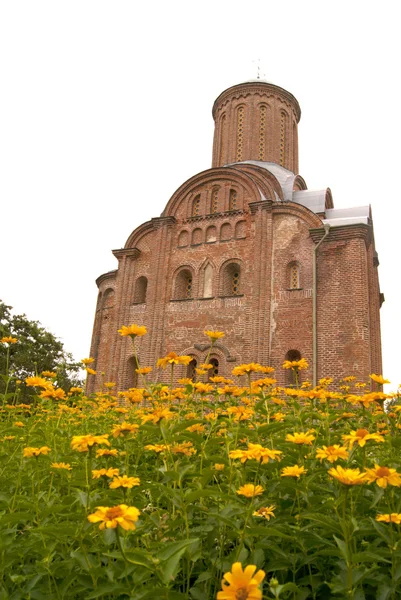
<point>105,110</point>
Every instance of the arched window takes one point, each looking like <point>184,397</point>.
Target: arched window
<point>214,371</point>
<point>196,206</point>
<point>214,201</point>
<point>131,378</point>
<point>289,373</point>
<point>208,281</point>
<point>233,200</point>
<point>240,132</point>
<point>183,287</point>
<point>141,286</point>
<point>191,373</point>
<point>294,276</point>
<point>231,280</point>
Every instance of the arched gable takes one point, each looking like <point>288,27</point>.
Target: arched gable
<point>205,182</point>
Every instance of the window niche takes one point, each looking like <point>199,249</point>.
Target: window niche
<point>140,290</point>
<point>183,285</point>
<point>294,276</point>
<point>231,280</point>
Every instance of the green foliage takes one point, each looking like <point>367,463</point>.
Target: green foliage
<point>37,350</point>
<point>322,542</point>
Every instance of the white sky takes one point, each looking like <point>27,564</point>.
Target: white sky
<point>105,110</point>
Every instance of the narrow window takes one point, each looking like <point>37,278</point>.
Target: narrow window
<point>214,371</point>
<point>183,286</point>
<point>141,286</point>
<point>294,277</point>
<point>191,373</point>
<point>214,204</point>
<point>290,380</point>
<point>262,132</point>
<point>196,206</point>
<point>235,282</point>
<point>240,132</point>
<point>131,374</point>
<point>231,280</point>
<point>233,200</point>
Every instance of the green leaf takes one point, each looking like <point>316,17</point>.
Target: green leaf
<point>343,549</point>
<point>107,588</point>
<point>170,556</point>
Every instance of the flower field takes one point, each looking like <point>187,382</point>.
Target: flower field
<point>232,489</point>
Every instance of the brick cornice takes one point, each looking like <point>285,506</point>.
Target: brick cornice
<point>158,222</point>
<point>344,232</point>
<point>254,207</point>
<point>257,87</point>
<point>108,275</point>
<point>128,252</point>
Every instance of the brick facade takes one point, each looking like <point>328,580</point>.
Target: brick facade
<point>233,251</point>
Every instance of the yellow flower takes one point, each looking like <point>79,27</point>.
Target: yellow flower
<point>248,368</point>
<point>125,428</point>
<point>241,413</point>
<point>183,448</point>
<point>82,443</point>
<point>157,415</point>
<point>144,370</point>
<point>29,451</point>
<point>87,361</point>
<point>348,476</point>
<point>100,452</point>
<point>332,453</point>
<point>109,384</point>
<point>383,476</point>
<point>37,382</point>
<point>278,417</point>
<point>393,518</point>
<point>185,381</point>
<point>156,447</point>
<point>51,392</point>
<point>133,330</point>
<point>219,467</point>
<point>97,473</point>
<point>297,365</point>
<point>379,379</point>
<point>19,424</point>
<point>90,371</point>
<point>300,438</point>
<point>214,335</point>
<point>256,452</point>
<point>173,359</point>
<point>249,490</point>
<point>361,436</point>
<point>241,584</point>
<point>294,471</point>
<point>76,390</point>
<point>49,374</point>
<point>123,515</point>
<point>265,511</point>
<point>197,428</point>
<point>8,340</point>
<point>124,481</point>
<point>61,465</point>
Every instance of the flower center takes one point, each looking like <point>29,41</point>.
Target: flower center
<point>241,594</point>
<point>113,513</point>
<point>383,472</point>
<point>361,433</point>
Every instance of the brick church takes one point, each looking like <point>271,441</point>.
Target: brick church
<point>246,248</point>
